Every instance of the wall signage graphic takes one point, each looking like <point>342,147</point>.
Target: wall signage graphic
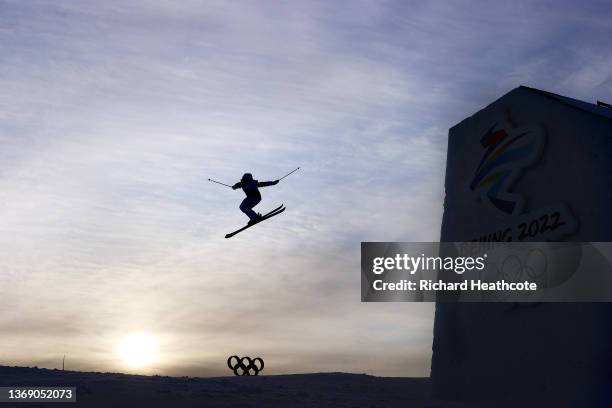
<point>507,152</point>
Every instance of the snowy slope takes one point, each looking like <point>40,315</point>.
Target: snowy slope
<point>300,390</point>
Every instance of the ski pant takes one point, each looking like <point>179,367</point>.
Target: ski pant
<point>247,207</point>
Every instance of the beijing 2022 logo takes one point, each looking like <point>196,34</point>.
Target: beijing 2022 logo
<point>508,151</point>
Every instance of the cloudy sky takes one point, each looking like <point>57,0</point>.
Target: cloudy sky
<point>113,114</point>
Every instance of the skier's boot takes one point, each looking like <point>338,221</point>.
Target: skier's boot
<point>255,220</point>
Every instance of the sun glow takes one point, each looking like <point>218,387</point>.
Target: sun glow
<point>138,350</point>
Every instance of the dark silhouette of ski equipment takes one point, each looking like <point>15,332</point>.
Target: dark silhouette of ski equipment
<point>271,214</point>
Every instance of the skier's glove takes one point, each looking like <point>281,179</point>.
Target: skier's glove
<point>275,182</point>
<point>236,186</point>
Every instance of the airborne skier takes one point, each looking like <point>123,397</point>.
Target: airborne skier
<point>253,196</point>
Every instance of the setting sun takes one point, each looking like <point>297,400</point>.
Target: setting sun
<point>138,350</point>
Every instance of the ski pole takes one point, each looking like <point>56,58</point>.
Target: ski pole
<point>288,174</point>
<point>218,182</point>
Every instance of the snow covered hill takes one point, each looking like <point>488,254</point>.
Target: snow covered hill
<point>299,390</point>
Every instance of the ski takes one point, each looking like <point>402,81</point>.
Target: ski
<point>270,214</point>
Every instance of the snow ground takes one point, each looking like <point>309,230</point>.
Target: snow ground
<point>299,390</point>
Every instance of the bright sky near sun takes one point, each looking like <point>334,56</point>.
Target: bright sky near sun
<point>138,350</point>
<point>113,114</point>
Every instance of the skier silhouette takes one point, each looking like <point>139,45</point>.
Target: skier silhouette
<point>253,197</point>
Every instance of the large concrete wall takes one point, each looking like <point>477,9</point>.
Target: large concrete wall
<point>528,352</point>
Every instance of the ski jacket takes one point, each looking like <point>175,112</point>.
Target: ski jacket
<point>251,189</point>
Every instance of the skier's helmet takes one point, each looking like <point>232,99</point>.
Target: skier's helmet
<point>247,177</point>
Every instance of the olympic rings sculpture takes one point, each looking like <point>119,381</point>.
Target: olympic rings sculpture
<point>238,365</point>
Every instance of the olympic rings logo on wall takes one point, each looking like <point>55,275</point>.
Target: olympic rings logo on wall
<point>245,365</point>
